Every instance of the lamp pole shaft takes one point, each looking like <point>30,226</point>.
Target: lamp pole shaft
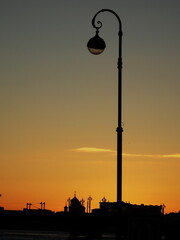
<point>119,128</point>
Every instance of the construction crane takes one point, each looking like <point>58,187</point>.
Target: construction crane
<point>29,205</point>
<point>43,204</point>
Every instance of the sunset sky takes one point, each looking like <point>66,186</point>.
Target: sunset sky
<point>58,103</point>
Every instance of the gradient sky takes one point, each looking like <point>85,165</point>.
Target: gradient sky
<point>58,103</point>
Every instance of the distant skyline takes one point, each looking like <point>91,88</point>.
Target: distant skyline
<point>58,102</point>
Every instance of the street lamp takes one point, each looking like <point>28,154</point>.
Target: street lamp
<point>96,45</point>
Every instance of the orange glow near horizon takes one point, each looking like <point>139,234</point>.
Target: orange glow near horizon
<point>93,175</point>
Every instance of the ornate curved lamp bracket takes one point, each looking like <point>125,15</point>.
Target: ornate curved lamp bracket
<point>98,24</point>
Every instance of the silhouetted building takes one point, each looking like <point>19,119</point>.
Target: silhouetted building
<point>65,209</point>
<point>172,226</point>
<point>76,206</point>
<point>1,209</point>
<point>127,208</point>
<point>137,222</point>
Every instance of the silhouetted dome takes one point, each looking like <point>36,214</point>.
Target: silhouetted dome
<point>76,206</point>
<point>74,200</point>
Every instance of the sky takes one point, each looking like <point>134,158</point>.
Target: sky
<point>58,103</point>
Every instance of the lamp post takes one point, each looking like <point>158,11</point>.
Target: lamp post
<point>96,45</point>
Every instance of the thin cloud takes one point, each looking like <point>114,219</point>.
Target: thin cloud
<point>105,150</point>
<point>176,155</point>
<point>93,150</point>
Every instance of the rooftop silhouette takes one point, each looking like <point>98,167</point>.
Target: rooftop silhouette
<point>139,222</point>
